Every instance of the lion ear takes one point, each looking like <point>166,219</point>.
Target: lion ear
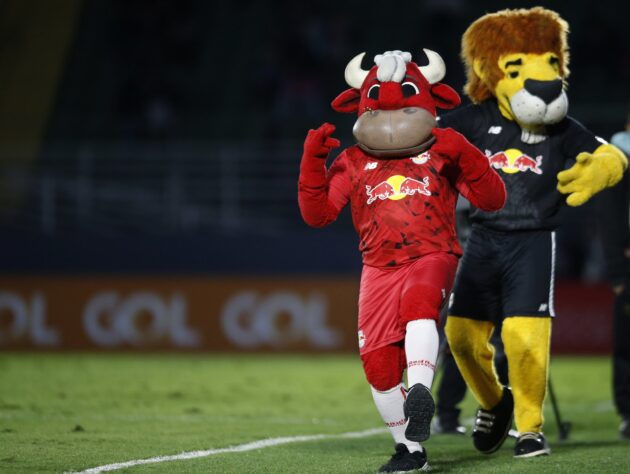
<point>479,69</point>
<point>445,97</point>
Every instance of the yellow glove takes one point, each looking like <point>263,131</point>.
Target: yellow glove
<point>592,173</point>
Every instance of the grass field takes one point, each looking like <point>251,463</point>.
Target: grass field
<point>62,413</point>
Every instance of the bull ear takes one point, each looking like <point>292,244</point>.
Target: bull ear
<point>347,102</point>
<point>445,97</point>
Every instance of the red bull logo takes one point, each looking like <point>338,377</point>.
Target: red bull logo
<point>513,160</point>
<point>397,187</point>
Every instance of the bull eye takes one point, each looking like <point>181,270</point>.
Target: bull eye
<point>373,92</point>
<point>409,89</point>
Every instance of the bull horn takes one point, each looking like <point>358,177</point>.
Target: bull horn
<point>435,70</point>
<point>354,74</point>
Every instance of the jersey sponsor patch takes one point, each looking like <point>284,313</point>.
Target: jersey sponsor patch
<point>513,161</point>
<point>397,187</point>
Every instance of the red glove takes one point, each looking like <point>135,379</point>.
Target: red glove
<point>449,143</point>
<point>319,142</point>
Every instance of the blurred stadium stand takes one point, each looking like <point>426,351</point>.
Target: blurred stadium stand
<point>199,207</point>
<point>114,190</point>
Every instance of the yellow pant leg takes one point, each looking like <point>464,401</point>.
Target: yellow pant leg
<point>469,343</point>
<point>526,341</point>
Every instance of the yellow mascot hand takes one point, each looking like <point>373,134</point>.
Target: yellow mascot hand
<point>592,173</point>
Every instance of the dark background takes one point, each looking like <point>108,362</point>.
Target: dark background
<point>173,141</point>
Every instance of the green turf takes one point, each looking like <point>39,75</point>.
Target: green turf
<point>70,412</point>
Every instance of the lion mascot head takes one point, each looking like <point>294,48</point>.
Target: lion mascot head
<point>521,58</point>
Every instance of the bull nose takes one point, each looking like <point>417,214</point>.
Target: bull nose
<point>546,90</point>
<point>390,96</point>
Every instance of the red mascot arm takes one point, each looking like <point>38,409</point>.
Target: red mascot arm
<point>476,180</point>
<point>321,194</point>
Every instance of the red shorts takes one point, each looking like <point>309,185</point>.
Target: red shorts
<point>384,291</point>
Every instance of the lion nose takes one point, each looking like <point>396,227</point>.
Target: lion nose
<point>546,90</point>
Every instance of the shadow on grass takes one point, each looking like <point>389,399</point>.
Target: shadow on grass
<point>565,445</point>
<point>477,462</point>
<point>450,456</point>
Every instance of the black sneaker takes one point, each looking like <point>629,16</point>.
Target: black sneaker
<point>443,425</point>
<point>403,460</point>
<point>492,426</point>
<point>530,445</point>
<point>419,408</point>
<point>624,429</point>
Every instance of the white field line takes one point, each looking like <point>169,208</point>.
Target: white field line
<point>263,443</point>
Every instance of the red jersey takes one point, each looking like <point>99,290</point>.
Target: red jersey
<point>402,208</point>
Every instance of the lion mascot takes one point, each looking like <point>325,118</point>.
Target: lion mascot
<point>517,64</point>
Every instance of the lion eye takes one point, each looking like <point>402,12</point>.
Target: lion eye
<point>513,74</point>
<point>409,89</point>
<point>373,92</point>
<point>554,60</point>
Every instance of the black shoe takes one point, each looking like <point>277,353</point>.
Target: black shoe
<point>419,408</point>
<point>442,425</point>
<point>492,426</point>
<point>530,445</point>
<point>624,429</point>
<point>403,460</point>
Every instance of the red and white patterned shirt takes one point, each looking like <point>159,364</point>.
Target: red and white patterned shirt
<point>402,208</point>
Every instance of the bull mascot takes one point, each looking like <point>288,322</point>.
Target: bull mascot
<point>517,64</point>
<point>402,180</point>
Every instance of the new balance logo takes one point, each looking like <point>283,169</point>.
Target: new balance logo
<point>495,129</point>
<point>422,158</point>
<point>543,307</point>
<point>371,165</point>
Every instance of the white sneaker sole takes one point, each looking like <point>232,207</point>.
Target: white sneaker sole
<point>533,454</point>
<point>424,468</point>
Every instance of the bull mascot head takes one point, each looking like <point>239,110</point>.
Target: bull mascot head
<point>396,102</point>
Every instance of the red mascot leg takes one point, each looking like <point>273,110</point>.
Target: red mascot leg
<point>427,287</point>
<point>421,301</point>
<point>384,367</point>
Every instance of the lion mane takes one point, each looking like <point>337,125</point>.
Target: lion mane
<point>536,30</point>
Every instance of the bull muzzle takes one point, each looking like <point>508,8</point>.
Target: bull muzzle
<point>394,132</point>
